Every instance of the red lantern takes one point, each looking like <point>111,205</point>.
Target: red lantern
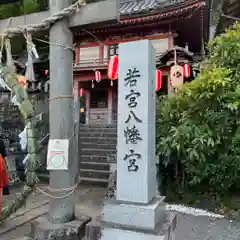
<point>186,71</point>
<point>158,80</point>
<point>97,76</point>
<point>46,72</point>
<point>81,92</point>
<point>113,68</point>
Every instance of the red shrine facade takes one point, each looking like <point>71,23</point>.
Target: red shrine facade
<point>177,29</point>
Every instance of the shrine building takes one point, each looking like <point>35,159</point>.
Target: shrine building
<point>177,29</point>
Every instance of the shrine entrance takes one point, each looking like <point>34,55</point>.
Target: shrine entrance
<point>98,103</point>
<point>98,109</point>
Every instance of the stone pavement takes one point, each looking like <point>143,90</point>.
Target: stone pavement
<point>89,201</point>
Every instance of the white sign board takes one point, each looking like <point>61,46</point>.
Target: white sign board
<point>57,157</point>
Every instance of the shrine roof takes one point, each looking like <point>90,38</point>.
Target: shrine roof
<point>131,7</point>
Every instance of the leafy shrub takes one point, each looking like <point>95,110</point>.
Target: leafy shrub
<point>198,133</point>
<point>19,8</point>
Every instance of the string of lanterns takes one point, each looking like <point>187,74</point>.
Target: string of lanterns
<point>98,78</point>
<point>23,81</point>
<point>112,73</point>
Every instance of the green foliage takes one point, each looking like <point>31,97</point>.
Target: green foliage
<point>26,7</point>
<point>30,6</point>
<point>19,8</point>
<point>9,10</point>
<point>198,131</point>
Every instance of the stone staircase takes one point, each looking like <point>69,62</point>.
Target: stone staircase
<point>97,142</point>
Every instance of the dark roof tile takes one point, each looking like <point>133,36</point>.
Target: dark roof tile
<point>128,7</point>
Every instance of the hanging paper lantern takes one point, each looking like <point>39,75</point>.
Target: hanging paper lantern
<point>176,76</point>
<point>22,81</point>
<point>186,71</point>
<point>81,92</point>
<point>97,76</point>
<point>158,80</point>
<point>46,72</point>
<point>113,68</point>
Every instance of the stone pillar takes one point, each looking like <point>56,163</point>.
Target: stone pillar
<point>137,213</point>
<point>137,110</point>
<point>61,111</point>
<point>62,222</point>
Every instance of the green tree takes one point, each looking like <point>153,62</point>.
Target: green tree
<point>30,6</point>
<point>198,132</point>
<point>19,8</point>
<point>26,7</point>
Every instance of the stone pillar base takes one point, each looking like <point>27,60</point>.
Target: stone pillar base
<point>135,215</point>
<point>42,229</point>
<point>105,231</point>
<point>124,220</point>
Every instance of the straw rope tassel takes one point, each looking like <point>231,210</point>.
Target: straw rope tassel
<point>30,75</point>
<point>1,49</point>
<point>8,49</point>
<point>9,59</point>
<point>10,77</point>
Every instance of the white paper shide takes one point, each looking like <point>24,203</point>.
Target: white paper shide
<point>57,158</point>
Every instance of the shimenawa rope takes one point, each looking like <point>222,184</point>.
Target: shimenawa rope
<point>47,22</point>
<point>10,79</point>
<point>72,189</point>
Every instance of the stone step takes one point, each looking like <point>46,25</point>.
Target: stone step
<point>44,178</point>
<point>93,181</point>
<point>95,166</point>
<point>97,152</point>
<point>23,238</point>
<point>98,130</point>
<point>101,145</point>
<point>98,134</point>
<point>106,126</point>
<point>91,173</point>
<point>92,158</point>
<point>96,140</point>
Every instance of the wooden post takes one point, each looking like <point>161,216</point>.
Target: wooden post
<point>170,89</point>
<point>76,125</point>
<point>61,113</point>
<point>101,53</point>
<point>110,105</point>
<point>1,201</point>
<point>87,94</point>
